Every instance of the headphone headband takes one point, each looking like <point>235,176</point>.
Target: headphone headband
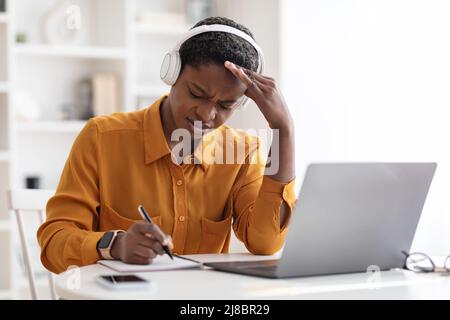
<point>171,65</point>
<point>217,28</point>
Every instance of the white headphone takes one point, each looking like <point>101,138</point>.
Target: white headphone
<point>171,65</point>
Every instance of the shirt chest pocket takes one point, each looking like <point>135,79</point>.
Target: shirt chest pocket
<point>112,220</point>
<point>214,235</point>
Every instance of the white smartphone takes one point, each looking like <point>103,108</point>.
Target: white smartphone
<point>123,281</point>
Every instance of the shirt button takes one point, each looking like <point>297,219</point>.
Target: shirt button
<point>285,194</point>
<point>181,218</point>
<point>179,182</point>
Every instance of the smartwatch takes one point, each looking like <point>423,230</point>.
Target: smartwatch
<point>106,242</point>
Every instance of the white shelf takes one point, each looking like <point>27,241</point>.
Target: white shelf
<point>71,51</point>
<point>151,91</point>
<point>169,30</point>
<point>4,156</point>
<point>4,18</point>
<point>72,126</point>
<point>4,87</point>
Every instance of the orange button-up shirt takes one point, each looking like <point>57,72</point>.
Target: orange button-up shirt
<point>122,160</point>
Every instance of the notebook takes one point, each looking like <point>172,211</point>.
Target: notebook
<point>161,263</point>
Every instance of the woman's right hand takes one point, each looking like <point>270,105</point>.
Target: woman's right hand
<point>140,244</point>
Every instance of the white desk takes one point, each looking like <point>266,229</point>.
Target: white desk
<point>208,284</point>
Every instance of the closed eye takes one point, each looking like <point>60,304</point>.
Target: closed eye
<point>194,95</point>
<point>226,106</point>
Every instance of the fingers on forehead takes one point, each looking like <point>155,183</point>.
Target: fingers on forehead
<point>248,72</point>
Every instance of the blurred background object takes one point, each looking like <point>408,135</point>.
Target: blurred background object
<point>32,182</point>
<point>198,10</point>
<point>68,112</point>
<point>26,106</point>
<point>56,24</point>
<point>21,37</point>
<point>105,89</point>
<point>85,95</point>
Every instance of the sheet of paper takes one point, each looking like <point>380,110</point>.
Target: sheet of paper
<point>160,263</point>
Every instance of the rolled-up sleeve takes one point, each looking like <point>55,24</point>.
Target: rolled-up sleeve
<point>68,236</point>
<point>257,205</point>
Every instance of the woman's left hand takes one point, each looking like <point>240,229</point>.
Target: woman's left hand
<point>264,91</point>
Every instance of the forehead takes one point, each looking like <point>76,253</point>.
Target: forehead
<point>213,78</point>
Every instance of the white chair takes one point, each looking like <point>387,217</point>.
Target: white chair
<point>30,201</point>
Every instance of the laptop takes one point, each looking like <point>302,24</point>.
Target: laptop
<point>349,217</point>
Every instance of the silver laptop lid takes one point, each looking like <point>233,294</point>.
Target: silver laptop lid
<point>350,216</point>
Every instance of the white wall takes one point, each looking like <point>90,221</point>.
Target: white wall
<point>368,80</point>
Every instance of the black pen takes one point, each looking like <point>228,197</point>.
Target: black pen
<point>147,218</point>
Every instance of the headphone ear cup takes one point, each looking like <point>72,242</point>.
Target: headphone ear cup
<point>170,67</point>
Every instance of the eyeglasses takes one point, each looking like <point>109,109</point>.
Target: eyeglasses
<point>420,262</point>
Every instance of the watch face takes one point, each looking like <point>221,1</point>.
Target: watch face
<point>105,240</point>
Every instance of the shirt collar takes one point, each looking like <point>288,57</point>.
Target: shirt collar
<point>155,143</point>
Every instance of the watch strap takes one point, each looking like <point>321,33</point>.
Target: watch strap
<point>106,252</point>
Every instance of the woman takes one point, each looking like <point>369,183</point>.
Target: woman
<point>123,160</point>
